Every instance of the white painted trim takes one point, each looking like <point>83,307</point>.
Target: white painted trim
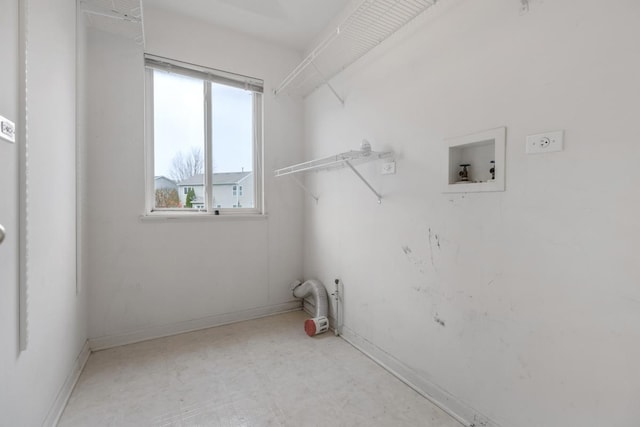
<point>499,138</point>
<point>101,343</point>
<point>208,147</point>
<point>55,412</point>
<point>23,178</point>
<point>200,216</point>
<point>453,406</point>
<point>149,171</point>
<point>258,153</point>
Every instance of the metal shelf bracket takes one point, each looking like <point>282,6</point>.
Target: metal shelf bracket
<point>359,175</point>
<point>324,79</point>
<point>305,189</point>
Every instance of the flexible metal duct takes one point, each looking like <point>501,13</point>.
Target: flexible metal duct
<point>316,290</point>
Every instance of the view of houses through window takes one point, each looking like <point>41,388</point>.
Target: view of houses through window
<point>189,193</point>
<point>183,133</point>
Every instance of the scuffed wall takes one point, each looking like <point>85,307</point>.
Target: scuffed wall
<point>523,304</point>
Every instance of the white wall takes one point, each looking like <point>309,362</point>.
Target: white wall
<point>146,277</point>
<point>31,380</point>
<point>537,286</point>
<point>9,267</point>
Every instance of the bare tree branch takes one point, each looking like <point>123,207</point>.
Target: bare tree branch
<point>186,166</point>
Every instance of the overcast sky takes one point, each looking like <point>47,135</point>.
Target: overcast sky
<point>179,123</point>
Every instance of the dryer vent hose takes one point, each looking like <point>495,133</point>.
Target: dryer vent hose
<point>316,290</point>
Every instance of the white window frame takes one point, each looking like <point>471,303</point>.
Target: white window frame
<point>209,76</point>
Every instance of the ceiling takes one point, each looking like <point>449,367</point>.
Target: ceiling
<point>122,17</point>
<point>292,23</point>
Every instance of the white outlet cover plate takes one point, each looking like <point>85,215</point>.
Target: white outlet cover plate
<point>545,142</point>
<point>7,130</point>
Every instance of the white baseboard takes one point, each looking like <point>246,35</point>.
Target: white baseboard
<point>55,412</point>
<point>101,343</point>
<point>453,406</point>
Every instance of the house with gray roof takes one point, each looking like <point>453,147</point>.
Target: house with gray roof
<point>230,190</point>
<point>164,182</point>
<point>165,192</point>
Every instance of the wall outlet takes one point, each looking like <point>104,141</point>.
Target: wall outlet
<point>545,142</point>
<point>7,130</point>
<point>388,168</point>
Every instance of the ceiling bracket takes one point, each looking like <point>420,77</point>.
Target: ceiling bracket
<point>92,8</point>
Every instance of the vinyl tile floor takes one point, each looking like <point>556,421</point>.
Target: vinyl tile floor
<point>264,372</point>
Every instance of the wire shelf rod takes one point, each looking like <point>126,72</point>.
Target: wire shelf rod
<point>336,161</point>
<point>333,161</point>
<point>368,25</point>
<point>307,61</point>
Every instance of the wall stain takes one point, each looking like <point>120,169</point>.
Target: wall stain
<point>637,301</point>
<point>413,259</point>
<point>438,320</point>
<point>479,421</point>
<point>434,240</point>
<point>431,248</point>
<point>524,367</point>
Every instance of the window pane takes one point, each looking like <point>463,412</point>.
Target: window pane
<point>178,108</point>
<point>232,130</point>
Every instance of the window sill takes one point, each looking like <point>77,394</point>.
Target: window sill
<point>200,216</point>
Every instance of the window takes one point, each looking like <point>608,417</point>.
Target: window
<point>237,190</point>
<point>204,132</point>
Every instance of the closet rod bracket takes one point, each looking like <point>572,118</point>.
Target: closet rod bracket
<point>304,188</point>
<point>326,81</point>
<point>359,175</point>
